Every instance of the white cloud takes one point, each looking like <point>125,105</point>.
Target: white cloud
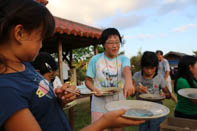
<point>144,36</point>
<point>127,21</point>
<point>169,1</point>
<point>92,11</point>
<point>162,35</point>
<point>129,37</point>
<point>192,25</point>
<point>173,6</point>
<point>140,36</point>
<point>183,28</point>
<point>116,13</point>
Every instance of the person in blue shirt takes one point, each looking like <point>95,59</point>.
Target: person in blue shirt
<point>27,101</point>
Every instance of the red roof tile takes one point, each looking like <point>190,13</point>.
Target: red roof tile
<point>73,28</point>
<point>45,2</point>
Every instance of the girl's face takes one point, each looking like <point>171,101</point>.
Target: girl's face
<point>49,75</point>
<point>149,71</point>
<point>31,44</point>
<point>112,46</point>
<point>193,69</point>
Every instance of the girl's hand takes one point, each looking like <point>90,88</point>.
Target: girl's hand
<point>112,119</point>
<point>65,93</point>
<point>162,94</point>
<point>142,89</point>
<point>118,120</point>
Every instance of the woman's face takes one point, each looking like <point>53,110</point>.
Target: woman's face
<point>193,69</point>
<point>112,46</point>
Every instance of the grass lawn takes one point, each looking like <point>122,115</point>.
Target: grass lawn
<point>82,114</point>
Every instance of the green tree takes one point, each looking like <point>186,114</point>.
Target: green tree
<point>135,61</point>
<point>195,53</point>
<point>100,48</point>
<point>81,58</point>
<point>121,53</point>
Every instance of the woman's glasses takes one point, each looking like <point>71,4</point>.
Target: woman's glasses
<point>113,42</point>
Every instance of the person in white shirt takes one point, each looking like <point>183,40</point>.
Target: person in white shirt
<point>164,70</point>
<point>66,71</point>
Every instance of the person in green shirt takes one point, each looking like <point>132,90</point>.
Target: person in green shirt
<point>186,78</point>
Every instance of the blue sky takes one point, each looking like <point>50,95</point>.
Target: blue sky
<point>168,25</point>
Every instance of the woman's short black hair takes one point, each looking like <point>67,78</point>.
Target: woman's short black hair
<point>107,33</point>
<point>45,63</point>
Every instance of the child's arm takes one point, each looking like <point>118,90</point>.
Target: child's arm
<point>166,92</point>
<point>22,120</point>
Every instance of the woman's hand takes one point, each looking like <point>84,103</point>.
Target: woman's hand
<point>97,92</point>
<point>129,88</point>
